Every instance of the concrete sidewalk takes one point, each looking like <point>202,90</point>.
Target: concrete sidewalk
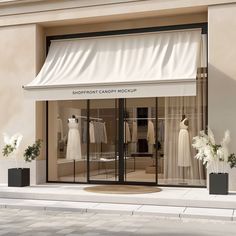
<point>170,202</point>
<point>127,209</point>
<point>169,196</point>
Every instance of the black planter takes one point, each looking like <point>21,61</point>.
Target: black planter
<point>18,177</point>
<point>219,183</point>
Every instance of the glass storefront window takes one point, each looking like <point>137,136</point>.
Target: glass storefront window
<point>179,120</point>
<point>103,159</point>
<point>84,140</point>
<point>67,143</point>
<point>140,140</point>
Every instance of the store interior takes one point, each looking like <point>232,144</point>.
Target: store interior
<point>83,140</point>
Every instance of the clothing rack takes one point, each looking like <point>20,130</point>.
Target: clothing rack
<point>140,118</point>
<point>91,118</point>
<point>144,118</point>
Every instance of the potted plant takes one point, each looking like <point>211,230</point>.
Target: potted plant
<point>216,157</point>
<point>19,177</point>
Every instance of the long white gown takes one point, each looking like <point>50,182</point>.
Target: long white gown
<point>184,153</point>
<point>73,151</point>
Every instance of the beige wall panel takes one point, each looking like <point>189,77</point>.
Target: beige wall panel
<point>139,23</point>
<point>17,67</point>
<point>100,12</point>
<point>222,74</point>
<point>64,12</point>
<point>40,47</point>
<point>40,106</point>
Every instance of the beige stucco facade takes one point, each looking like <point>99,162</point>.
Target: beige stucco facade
<point>24,26</point>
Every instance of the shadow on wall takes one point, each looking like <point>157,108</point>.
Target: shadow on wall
<point>222,104</point>
<point>222,110</point>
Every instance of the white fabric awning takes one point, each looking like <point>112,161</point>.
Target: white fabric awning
<point>138,65</point>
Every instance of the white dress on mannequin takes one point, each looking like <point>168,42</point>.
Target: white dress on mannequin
<point>73,151</point>
<point>184,153</point>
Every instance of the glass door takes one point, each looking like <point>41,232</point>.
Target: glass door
<point>122,141</point>
<point>140,135</point>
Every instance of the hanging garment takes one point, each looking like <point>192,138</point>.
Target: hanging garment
<point>184,153</point>
<point>134,132</point>
<point>161,130</point>
<point>151,133</point>
<point>127,135</point>
<point>60,128</point>
<point>91,132</point>
<point>104,133</point>
<point>100,132</point>
<point>73,151</point>
<point>97,132</point>
<point>84,132</point>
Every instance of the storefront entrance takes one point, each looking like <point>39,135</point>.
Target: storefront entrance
<point>125,141</point>
<point>124,106</point>
<point>125,152</point>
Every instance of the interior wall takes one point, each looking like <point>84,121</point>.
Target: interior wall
<point>222,75</point>
<point>17,68</point>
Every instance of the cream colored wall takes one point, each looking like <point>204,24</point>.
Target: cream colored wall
<point>40,106</point>
<point>17,67</point>
<point>128,24</point>
<point>22,50</point>
<point>67,12</point>
<point>222,74</point>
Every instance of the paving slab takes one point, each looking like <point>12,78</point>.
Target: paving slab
<point>160,211</point>
<point>208,213</point>
<point>234,215</point>
<point>46,205</point>
<point>127,209</point>
<point>114,208</point>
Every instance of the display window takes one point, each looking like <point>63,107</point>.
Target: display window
<point>133,140</point>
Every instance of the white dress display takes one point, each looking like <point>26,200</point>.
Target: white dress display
<point>73,151</point>
<point>184,153</point>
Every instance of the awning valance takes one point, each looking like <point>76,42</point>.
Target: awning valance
<point>137,65</point>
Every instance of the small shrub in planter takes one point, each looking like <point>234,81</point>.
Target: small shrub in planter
<point>216,157</point>
<point>33,151</point>
<point>19,177</point>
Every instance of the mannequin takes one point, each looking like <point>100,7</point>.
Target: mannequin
<point>73,151</point>
<point>73,117</point>
<point>184,151</point>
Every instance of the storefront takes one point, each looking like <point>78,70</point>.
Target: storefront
<point>118,104</point>
<point>166,60</point>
